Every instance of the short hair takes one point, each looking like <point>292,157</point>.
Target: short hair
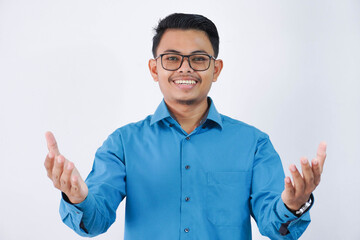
<point>186,22</point>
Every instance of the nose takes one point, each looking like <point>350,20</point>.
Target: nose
<point>185,66</point>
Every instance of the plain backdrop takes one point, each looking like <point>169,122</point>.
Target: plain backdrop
<point>79,68</point>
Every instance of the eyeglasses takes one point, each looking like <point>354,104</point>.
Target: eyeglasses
<point>173,61</point>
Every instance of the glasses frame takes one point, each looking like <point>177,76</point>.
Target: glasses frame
<point>182,60</point>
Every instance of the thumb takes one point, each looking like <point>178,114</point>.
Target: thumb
<point>51,143</point>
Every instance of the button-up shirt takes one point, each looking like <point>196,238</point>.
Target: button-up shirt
<point>202,185</point>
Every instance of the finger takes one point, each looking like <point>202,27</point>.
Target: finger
<point>75,185</point>
<point>316,171</point>
<point>49,163</point>
<point>65,179</point>
<point>51,143</point>
<point>289,188</point>
<point>321,155</point>
<point>308,175</point>
<point>58,170</point>
<point>298,180</point>
<point>76,190</point>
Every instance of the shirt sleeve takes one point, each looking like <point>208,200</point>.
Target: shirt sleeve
<point>269,211</point>
<point>106,183</point>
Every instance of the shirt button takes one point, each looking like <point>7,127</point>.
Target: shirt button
<point>171,125</point>
<point>187,199</point>
<point>186,230</point>
<point>187,167</point>
<point>187,138</point>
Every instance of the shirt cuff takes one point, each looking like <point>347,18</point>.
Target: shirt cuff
<point>80,209</point>
<point>286,215</point>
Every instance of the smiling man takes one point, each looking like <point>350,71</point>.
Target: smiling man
<point>187,172</point>
<point>185,68</point>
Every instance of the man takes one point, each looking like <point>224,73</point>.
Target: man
<point>187,172</point>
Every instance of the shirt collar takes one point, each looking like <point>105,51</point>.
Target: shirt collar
<point>214,115</point>
<point>162,112</point>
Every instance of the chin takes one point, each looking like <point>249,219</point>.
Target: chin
<point>186,101</point>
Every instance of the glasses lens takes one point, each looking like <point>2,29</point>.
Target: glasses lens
<point>199,62</point>
<point>171,61</point>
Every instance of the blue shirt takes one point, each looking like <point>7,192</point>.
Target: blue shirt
<point>202,185</point>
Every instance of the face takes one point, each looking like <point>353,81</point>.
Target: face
<point>185,85</point>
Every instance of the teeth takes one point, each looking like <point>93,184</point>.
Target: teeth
<point>188,82</point>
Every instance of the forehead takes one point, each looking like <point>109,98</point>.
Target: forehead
<point>185,41</point>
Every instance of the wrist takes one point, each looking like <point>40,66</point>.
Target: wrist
<point>72,200</point>
<point>303,208</point>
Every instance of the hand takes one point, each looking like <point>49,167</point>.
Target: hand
<point>63,173</point>
<point>296,195</point>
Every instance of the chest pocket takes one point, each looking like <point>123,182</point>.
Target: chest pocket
<point>227,198</point>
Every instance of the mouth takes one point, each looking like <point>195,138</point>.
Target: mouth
<point>185,82</point>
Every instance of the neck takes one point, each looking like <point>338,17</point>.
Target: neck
<point>188,115</point>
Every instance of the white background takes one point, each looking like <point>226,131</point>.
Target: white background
<point>79,69</point>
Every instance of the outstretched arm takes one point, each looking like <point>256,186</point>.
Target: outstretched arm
<point>274,206</point>
<point>89,208</point>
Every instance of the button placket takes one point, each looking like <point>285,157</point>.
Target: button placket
<point>186,212</point>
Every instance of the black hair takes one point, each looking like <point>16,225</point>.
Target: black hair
<point>186,22</point>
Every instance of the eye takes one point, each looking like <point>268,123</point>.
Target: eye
<point>199,58</point>
<point>172,58</point>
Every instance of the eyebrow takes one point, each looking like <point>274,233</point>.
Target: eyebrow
<point>175,51</point>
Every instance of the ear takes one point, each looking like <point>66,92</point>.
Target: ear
<point>153,69</point>
<point>218,66</point>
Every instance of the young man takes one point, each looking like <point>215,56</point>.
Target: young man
<point>187,172</point>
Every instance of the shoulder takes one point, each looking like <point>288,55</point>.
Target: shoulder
<point>134,127</point>
<point>237,126</point>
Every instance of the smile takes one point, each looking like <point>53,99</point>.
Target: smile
<point>185,82</point>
